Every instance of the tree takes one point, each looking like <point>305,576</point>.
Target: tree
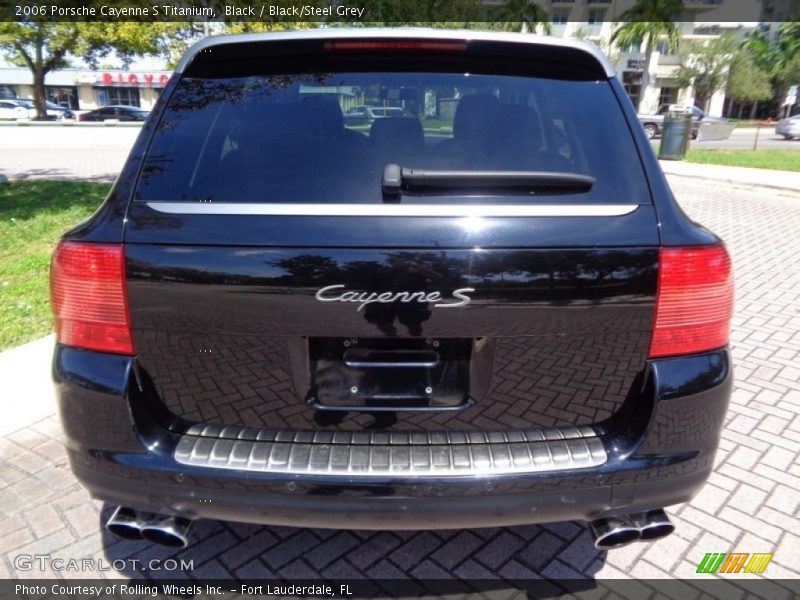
<point>647,22</point>
<point>43,45</point>
<point>787,44</point>
<point>522,15</point>
<point>705,67</point>
<point>789,74</point>
<point>778,57</point>
<point>746,81</point>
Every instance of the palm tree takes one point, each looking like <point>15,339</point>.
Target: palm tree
<point>646,22</point>
<point>776,56</point>
<point>523,15</point>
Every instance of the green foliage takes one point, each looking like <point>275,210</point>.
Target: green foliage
<point>747,82</point>
<point>33,214</point>
<point>780,160</point>
<point>645,23</point>
<point>42,44</point>
<point>778,57</point>
<point>522,15</point>
<point>647,34</point>
<point>789,75</point>
<point>648,21</point>
<point>704,65</point>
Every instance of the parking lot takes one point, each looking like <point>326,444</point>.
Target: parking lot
<point>92,153</point>
<point>749,505</point>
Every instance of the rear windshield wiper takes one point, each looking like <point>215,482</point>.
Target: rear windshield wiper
<point>397,179</point>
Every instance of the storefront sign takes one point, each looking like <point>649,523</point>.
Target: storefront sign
<point>132,79</point>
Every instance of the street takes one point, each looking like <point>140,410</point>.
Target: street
<point>94,153</point>
<point>98,153</point>
<point>743,139</point>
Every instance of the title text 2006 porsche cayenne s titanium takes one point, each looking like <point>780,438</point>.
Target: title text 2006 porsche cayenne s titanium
<point>486,311</point>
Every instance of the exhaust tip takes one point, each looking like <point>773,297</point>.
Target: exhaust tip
<point>613,532</point>
<point>653,525</point>
<point>168,531</point>
<point>125,523</point>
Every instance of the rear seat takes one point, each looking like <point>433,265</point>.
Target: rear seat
<point>286,138</point>
<point>398,140</point>
<point>490,135</point>
<point>475,124</point>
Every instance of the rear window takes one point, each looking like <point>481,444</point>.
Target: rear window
<point>325,137</point>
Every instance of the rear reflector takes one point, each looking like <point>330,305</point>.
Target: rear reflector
<point>89,298</point>
<point>694,304</point>
<point>400,46</point>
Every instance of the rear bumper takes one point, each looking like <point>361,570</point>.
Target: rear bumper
<point>660,451</point>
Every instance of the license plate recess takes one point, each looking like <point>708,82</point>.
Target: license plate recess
<point>389,374</point>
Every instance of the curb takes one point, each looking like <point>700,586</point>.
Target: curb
<point>72,123</point>
<point>25,372</point>
<point>736,183</point>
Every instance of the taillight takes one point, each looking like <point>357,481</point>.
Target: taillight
<point>694,303</point>
<point>379,45</point>
<point>89,297</point>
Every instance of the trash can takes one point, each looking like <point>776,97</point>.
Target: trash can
<point>675,134</point>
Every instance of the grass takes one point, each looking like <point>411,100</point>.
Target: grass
<point>432,123</point>
<point>781,160</point>
<point>33,215</point>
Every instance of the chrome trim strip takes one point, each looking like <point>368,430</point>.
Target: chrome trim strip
<point>393,454</point>
<point>364,364</point>
<point>393,210</point>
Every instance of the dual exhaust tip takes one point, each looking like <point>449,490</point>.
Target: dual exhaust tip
<point>608,533</point>
<point>615,532</point>
<point>165,530</point>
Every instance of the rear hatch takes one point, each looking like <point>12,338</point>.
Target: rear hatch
<point>485,261</point>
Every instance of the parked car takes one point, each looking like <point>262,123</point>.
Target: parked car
<point>277,319</point>
<point>14,109</point>
<point>23,108</point>
<point>120,113</point>
<point>654,124</point>
<point>61,113</point>
<point>789,128</point>
<point>364,115</point>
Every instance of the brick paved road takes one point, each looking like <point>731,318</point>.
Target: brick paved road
<point>749,505</point>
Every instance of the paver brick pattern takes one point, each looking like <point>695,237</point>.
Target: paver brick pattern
<point>750,503</point>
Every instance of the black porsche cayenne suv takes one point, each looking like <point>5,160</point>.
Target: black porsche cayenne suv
<point>486,311</point>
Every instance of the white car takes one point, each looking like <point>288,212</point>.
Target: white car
<point>14,109</point>
<point>364,115</point>
<point>21,108</point>
<point>789,128</point>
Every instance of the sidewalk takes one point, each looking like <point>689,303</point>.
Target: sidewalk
<point>27,385</point>
<point>739,176</point>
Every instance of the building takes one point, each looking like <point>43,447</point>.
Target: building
<point>592,20</point>
<point>587,19</point>
<point>82,89</point>
<point>773,11</point>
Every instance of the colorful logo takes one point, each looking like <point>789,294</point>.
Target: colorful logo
<point>735,562</point>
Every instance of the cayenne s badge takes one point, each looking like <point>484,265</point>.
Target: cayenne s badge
<point>329,294</point>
